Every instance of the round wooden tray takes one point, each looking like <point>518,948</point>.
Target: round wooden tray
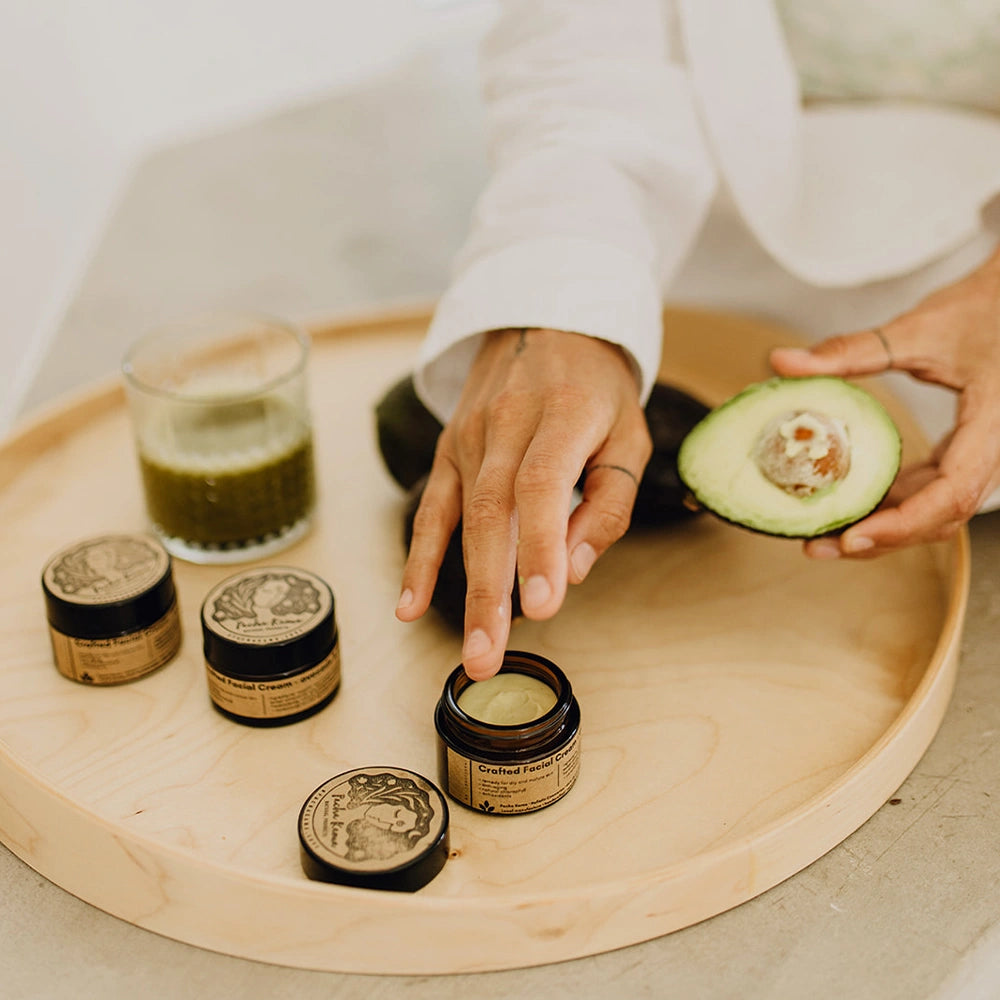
<point>744,708</point>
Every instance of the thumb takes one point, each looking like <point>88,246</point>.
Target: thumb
<point>864,353</point>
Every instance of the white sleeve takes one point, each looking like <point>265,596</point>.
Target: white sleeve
<point>600,181</point>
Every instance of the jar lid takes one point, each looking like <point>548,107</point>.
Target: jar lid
<point>268,620</point>
<point>375,828</point>
<point>108,585</point>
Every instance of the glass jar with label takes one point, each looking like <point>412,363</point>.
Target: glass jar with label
<point>272,651</point>
<point>112,609</point>
<point>510,744</point>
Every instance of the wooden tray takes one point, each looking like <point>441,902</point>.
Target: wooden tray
<point>744,708</point>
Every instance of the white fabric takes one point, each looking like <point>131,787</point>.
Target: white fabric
<point>598,157</point>
<point>942,51</point>
<point>838,194</point>
<point>620,132</point>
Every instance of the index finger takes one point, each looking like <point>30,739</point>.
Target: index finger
<point>489,547</point>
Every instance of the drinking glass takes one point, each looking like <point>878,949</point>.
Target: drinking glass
<point>223,434</point>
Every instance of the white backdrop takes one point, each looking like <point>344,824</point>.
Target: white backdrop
<point>89,88</point>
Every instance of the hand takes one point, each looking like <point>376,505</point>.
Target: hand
<point>538,407</point>
<point>952,338</point>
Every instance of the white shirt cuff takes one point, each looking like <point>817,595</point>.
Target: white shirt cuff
<point>557,283</point>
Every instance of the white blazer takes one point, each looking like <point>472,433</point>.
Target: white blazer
<point>613,126</point>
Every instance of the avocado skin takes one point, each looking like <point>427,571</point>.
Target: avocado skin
<point>662,496</point>
<point>407,433</point>
<point>449,589</point>
<point>407,437</point>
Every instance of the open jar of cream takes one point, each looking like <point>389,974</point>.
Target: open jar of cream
<point>509,744</point>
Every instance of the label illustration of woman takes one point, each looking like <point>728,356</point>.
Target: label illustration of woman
<point>374,817</point>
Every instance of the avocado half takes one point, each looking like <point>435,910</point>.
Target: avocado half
<point>796,457</point>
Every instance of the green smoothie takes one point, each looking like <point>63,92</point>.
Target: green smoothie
<point>229,476</point>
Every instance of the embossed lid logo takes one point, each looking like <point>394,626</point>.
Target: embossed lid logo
<point>267,605</point>
<point>108,569</point>
<point>372,819</point>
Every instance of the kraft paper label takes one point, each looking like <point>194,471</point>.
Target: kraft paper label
<point>121,658</point>
<point>105,570</point>
<point>515,788</point>
<point>274,699</point>
<point>263,606</point>
<point>373,819</point>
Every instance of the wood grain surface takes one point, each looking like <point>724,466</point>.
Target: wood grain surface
<point>744,709</point>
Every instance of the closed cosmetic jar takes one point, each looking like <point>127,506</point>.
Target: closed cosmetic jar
<point>271,644</point>
<point>112,609</point>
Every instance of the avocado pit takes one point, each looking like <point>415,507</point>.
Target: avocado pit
<point>803,452</point>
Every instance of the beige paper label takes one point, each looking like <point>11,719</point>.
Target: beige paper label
<point>106,570</point>
<point>514,788</point>
<point>373,819</point>
<point>266,605</point>
<point>121,658</point>
<point>274,699</point>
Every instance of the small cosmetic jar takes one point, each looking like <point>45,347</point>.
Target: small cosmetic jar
<point>271,645</point>
<point>112,609</point>
<point>510,744</point>
<point>374,828</point>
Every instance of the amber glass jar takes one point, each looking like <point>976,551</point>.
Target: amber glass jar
<point>272,652</point>
<point>112,609</point>
<point>509,769</point>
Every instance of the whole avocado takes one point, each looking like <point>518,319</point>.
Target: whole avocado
<point>407,433</point>
<point>662,497</point>
<point>407,436</point>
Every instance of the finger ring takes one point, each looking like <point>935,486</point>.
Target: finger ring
<point>619,468</point>
<point>883,340</point>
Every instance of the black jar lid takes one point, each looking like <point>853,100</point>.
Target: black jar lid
<point>107,586</point>
<point>268,620</point>
<point>375,828</point>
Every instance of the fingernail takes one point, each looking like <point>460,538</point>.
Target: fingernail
<point>858,543</point>
<point>793,353</point>
<point>583,558</point>
<point>477,643</point>
<point>825,548</point>
<point>405,600</point>
<point>535,591</point>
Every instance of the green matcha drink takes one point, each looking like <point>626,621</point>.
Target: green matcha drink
<point>223,436</point>
<point>230,476</point>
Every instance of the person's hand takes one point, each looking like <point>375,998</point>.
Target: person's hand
<point>952,338</point>
<point>538,408</point>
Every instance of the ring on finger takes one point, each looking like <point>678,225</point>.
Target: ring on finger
<point>617,468</point>
<point>884,341</point>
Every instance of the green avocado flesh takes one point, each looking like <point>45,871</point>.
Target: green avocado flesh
<point>797,457</point>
